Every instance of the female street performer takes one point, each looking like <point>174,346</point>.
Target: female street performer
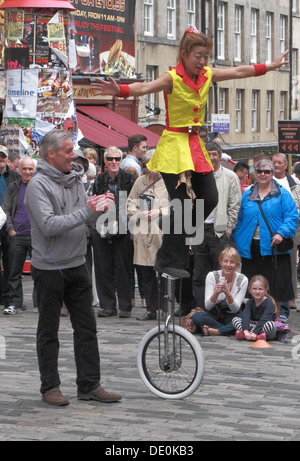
<point>180,154</point>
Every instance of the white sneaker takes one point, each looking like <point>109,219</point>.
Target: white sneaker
<point>11,310</point>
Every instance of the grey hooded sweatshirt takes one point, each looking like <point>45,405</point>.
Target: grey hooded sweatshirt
<point>56,203</point>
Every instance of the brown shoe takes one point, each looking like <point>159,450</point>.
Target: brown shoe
<point>124,315</point>
<point>55,397</point>
<point>100,395</point>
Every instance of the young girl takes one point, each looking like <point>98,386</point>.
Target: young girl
<point>224,294</point>
<point>257,321</point>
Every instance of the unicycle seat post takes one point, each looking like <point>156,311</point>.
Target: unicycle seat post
<point>170,297</point>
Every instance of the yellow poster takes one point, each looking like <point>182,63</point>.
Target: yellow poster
<point>15,29</point>
<point>56,33</point>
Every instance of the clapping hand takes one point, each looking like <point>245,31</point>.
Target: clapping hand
<point>101,203</point>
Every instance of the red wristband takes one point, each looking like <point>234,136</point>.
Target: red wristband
<point>124,91</point>
<point>260,69</point>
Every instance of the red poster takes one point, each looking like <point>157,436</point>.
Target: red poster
<point>105,40</point>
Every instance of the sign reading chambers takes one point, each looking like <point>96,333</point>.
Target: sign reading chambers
<point>105,36</point>
<point>289,136</point>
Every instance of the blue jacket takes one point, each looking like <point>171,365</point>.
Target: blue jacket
<point>280,211</point>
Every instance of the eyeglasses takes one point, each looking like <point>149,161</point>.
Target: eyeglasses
<point>263,171</point>
<point>111,159</point>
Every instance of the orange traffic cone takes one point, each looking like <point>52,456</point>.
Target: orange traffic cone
<point>261,344</point>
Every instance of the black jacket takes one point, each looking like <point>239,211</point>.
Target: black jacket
<point>121,186</point>
<point>9,203</point>
<point>124,182</point>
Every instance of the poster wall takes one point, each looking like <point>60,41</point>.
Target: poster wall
<point>1,32</point>
<point>38,79</point>
<point>105,39</point>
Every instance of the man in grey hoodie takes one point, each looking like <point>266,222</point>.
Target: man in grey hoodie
<point>59,210</point>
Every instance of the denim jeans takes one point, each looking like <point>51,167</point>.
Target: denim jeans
<point>73,286</point>
<point>225,327</point>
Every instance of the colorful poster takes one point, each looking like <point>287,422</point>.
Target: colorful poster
<point>105,39</point>
<point>21,96</point>
<point>15,27</point>
<point>56,33</point>
<point>2,40</point>
<point>16,58</point>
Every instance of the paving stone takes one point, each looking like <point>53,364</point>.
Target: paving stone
<point>246,394</point>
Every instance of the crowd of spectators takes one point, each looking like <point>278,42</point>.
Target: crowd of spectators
<point>122,245</point>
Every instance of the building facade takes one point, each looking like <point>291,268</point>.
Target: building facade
<point>295,100</point>
<point>244,32</point>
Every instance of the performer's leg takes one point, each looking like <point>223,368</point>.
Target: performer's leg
<point>173,252</point>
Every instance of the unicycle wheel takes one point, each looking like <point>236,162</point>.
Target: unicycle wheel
<point>172,372</point>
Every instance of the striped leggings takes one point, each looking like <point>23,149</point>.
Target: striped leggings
<point>269,327</point>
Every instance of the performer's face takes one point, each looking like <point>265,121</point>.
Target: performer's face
<point>196,60</point>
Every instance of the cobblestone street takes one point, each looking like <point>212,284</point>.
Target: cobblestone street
<point>246,394</point>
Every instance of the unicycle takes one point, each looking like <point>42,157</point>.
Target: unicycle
<point>170,359</point>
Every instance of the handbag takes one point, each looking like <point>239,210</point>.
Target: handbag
<point>146,200</point>
<point>187,321</point>
<point>286,244</point>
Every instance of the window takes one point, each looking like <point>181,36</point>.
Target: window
<point>239,111</point>
<point>208,17</point>
<point>255,111</point>
<point>148,18</point>
<point>294,63</point>
<point>296,81</point>
<point>191,13</point>
<point>269,114</point>
<point>283,33</point>
<point>283,106</point>
<point>151,72</point>
<point>253,36</point>
<point>223,101</point>
<point>269,29</point>
<point>238,34</point>
<point>171,19</point>
<point>221,30</point>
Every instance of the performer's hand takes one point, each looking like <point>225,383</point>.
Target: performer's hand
<point>279,61</point>
<point>104,87</point>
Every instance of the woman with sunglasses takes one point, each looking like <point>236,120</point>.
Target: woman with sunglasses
<point>180,155</point>
<point>267,202</point>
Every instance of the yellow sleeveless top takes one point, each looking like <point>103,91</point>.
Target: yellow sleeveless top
<point>178,150</point>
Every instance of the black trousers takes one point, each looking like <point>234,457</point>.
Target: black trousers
<point>72,286</point>
<point>277,271</point>
<point>154,289</point>
<point>113,262</point>
<point>4,258</point>
<point>19,247</point>
<point>174,252</point>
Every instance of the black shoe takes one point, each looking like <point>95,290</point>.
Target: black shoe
<point>124,314</point>
<point>172,271</point>
<point>148,316</point>
<point>107,313</point>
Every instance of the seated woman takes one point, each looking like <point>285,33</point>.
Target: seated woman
<point>257,321</point>
<point>224,295</point>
